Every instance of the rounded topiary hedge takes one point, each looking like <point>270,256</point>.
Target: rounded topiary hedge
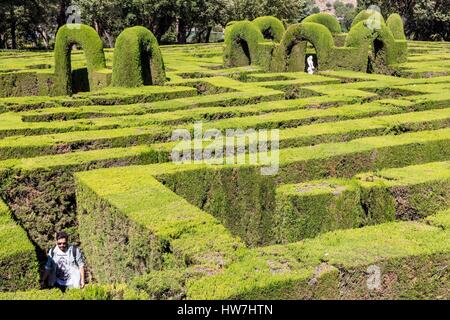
<point>241,44</point>
<point>325,19</point>
<point>385,49</point>
<point>395,23</point>
<point>137,59</point>
<point>270,27</point>
<point>318,35</point>
<point>89,40</point>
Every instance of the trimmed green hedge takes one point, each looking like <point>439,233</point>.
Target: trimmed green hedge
<point>117,249</point>
<point>412,259</point>
<point>137,59</point>
<point>308,209</point>
<point>140,221</point>
<point>241,44</point>
<point>271,28</point>
<point>373,15</point>
<point>325,19</point>
<point>89,40</point>
<point>384,49</point>
<point>317,34</point>
<point>395,23</point>
<point>90,292</point>
<point>18,263</point>
<point>18,84</point>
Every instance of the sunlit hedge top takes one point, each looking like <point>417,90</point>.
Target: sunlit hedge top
<point>137,59</point>
<point>327,20</point>
<point>271,27</point>
<point>395,23</point>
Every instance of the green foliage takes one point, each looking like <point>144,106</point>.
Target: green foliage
<point>137,59</point>
<point>270,27</point>
<point>345,12</point>
<point>241,44</point>
<point>90,41</point>
<point>162,285</point>
<point>308,209</point>
<point>424,20</point>
<point>325,19</point>
<point>395,23</point>
<point>90,292</point>
<point>318,35</point>
<point>18,263</point>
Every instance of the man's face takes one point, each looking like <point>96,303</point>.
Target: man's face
<point>62,244</point>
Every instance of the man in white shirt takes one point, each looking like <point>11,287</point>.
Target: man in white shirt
<point>65,266</point>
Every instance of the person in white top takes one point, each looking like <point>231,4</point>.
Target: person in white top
<point>65,265</point>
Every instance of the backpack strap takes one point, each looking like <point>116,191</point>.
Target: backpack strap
<point>52,252</point>
<point>74,254</point>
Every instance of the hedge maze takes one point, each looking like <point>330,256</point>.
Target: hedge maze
<point>362,192</point>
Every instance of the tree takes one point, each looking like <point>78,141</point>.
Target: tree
<point>424,19</point>
<point>345,12</point>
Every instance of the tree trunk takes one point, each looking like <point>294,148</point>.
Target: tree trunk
<point>208,34</point>
<point>96,26</point>
<point>44,36</point>
<point>181,36</point>
<point>63,5</point>
<point>110,39</point>
<point>13,26</point>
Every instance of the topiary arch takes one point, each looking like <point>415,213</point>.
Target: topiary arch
<point>270,27</point>
<point>241,44</point>
<point>318,35</point>
<point>137,59</point>
<point>89,40</point>
<point>385,50</point>
<point>325,19</point>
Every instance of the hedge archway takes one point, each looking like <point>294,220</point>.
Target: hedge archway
<point>241,44</point>
<point>385,50</point>
<point>89,40</point>
<point>325,19</point>
<point>137,59</point>
<point>318,35</point>
<point>270,27</point>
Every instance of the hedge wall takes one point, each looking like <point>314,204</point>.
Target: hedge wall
<point>18,263</point>
<point>395,23</point>
<point>137,59</point>
<point>90,292</point>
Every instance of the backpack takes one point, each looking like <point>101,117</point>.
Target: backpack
<point>74,253</point>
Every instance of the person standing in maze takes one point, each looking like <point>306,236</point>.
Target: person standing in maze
<point>65,265</point>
